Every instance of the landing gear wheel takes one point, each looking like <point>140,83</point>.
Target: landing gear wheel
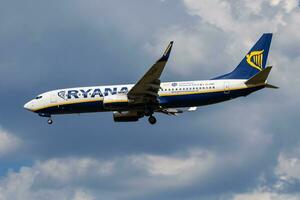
<point>50,121</point>
<point>152,119</point>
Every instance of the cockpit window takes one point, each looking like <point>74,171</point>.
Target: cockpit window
<point>38,97</point>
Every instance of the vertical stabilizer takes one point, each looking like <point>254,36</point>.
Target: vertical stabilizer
<point>254,61</point>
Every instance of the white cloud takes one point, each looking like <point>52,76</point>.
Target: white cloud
<point>287,172</point>
<point>239,18</point>
<point>215,12</point>
<point>52,179</point>
<point>288,167</point>
<point>197,162</point>
<point>223,32</point>
<point>191,48</point>
<point>266,196</point>
<point>68,170</point>
<point>290,4</point>
<point>81,195</point>
<point>130,176</point>
<point>8,142</point>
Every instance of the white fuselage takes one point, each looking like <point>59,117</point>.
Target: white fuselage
<point>74,96</point>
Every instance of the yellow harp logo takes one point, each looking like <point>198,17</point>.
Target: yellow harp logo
<point>255,59</point>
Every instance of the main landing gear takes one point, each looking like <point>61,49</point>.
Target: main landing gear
<point>49,121</point>
<point>149,113</point>
<point>152,119</point>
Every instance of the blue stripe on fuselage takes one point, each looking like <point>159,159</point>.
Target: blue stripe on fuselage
<point>202,99</point>
<point>172,101</point>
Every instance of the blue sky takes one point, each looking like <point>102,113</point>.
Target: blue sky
<point>244,149</point>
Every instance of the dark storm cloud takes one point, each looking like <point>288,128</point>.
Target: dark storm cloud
<point>48,45</point>
<point>62,44</point>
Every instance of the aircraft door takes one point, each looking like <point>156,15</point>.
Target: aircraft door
<point>53,97</point>
<point>226,88</point>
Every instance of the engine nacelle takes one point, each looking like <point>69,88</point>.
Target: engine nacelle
<point>116,102</point>
<point>126,116</point>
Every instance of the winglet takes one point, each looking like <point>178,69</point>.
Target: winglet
<point>167,52</point>
<point>271,86</point>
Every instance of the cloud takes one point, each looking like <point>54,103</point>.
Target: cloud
<point>223,32</point>
<point>168,166</point>
<point>287,178</point>
<point>125,177</point>
<point>9,143</point>
<point>219,151</point>
<point>288,167</point>
<point>287,170</point>
<point>266,196</point>
<point>81,195</point>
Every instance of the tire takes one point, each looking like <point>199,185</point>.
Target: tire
<point>50,121</point>
<point>152,120</point>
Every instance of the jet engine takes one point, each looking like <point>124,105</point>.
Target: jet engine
<point>127,116</point>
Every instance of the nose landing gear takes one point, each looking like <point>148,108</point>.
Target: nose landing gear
<point>50,121</point>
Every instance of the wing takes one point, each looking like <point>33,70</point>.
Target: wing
<point>146,89</point>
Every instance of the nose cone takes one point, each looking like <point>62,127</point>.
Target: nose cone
<point>28,106</point>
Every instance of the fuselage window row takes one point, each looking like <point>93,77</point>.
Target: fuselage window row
<point>181,89</point>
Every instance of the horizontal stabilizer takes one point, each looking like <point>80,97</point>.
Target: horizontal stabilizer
<point>259,78</point>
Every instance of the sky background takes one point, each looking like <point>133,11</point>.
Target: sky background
<point>247,148</point>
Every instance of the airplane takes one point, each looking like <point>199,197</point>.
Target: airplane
<point>149,95</point>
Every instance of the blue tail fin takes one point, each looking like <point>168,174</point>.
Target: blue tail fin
<point>254,62</point>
